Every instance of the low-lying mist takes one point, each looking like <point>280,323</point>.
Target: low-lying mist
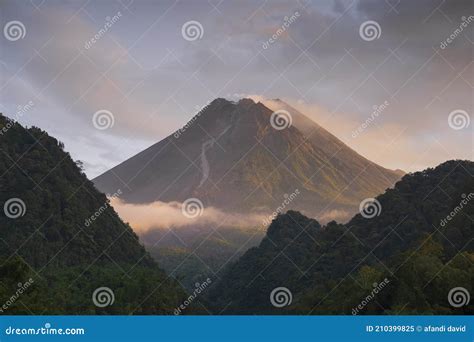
<point>169,215</point>
<point>162,215</point>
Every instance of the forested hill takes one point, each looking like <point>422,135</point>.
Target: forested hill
<point>58,230</point>
<point>417,241</point>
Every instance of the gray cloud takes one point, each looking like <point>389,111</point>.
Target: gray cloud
<point>160,78</point>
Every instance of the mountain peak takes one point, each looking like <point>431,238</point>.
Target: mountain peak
<point>246,101</point>
<point>220,105</point>
<point>220,100</point>
<point>235,150</point>
<point>241,101</point>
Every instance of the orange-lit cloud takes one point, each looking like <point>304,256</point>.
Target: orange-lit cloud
<point>161,215</point>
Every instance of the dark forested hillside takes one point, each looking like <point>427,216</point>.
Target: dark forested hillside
<point>418,248</point>
<point>59,233</point>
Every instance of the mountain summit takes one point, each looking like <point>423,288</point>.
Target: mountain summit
<point>243,157</point>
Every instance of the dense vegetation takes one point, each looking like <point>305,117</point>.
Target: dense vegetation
<point>332,269</point>
<point>204,256</point>
<point>66,256</point>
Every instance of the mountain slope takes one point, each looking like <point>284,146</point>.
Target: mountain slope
<point>332,146</point>
<point>57,229</point>
<point>331,269</point>
<point>230,157</point>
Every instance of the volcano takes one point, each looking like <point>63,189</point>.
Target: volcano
<point>243,157</point>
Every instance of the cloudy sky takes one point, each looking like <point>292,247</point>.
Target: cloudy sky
<point>151,74</point>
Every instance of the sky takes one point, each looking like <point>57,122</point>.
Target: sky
<point>110,78</point>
